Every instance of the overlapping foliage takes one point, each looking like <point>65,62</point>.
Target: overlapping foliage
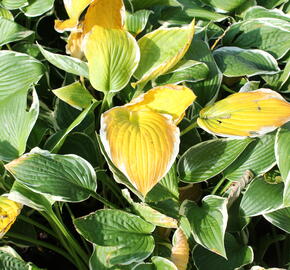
<point>111,118</point>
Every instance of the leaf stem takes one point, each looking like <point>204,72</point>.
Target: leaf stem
<point>218,185</point>
<point>139,89</point>
<point>41,243</point>
<point>189,128</point>
<point>103,200</point>
<point>38,225</point>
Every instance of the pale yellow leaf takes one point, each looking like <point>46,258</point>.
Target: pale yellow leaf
<point>180,250</point>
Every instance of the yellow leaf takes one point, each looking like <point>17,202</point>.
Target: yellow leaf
<point>180,250</point>
<point>74,9</point>
<point>105,13</point>
<point>9,210</point>
<point>168,99</point>
<point>113,56</point>
<point>74,43</point>
<point>249,114</point>
<point>161,50</point>
<point>141,144</point>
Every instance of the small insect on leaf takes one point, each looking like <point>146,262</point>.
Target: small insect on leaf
<point>249,114</point>
<point>9,210</point>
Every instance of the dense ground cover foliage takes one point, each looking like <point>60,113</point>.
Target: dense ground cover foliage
<point>144,134</point>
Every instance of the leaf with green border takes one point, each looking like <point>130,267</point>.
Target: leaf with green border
<point>261,12</point>
<point>75,95</point>
<point>207,90</point>
<point>51,174</point>
<point>280,219</point>
<point>208,222</point>
<point>261,198</point>
<point>16,122</point>
<point>282,153</point>
<point>130,234</point>
<point>207,159</point>
<point>238,256</point>
<point>17,73</point>
<point>12,31</point>
<point>224,5</point>
<point>13,4</point>
<point>188,71</point>
<point>66,63</point>
<point>251,159</point>
<point>261,33</point>
<point>236,62</point>
<point>37,7</point>
<point>9,259</point>
<point>135,22</point>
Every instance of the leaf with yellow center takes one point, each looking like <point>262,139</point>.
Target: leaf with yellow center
<point>113,56</point>
<point>249,114</point>
<point>161,50</point>
<point>74,9</point>
<point>9,210</point>
<point>142,144</point>
<point>168,99</point>
<point>105,13</point>
<point>180,250</point>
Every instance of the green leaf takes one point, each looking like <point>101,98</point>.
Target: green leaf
<point>16,122</point>
<point>130,234</point>
<point>270,3</point>
<point>51,174</point>
<point>11,31</point>
<point>113,56</point>
<point>66,63</point>
<point>5,13</point>
<point>238,256</point>
<point>137,4</point>
<point>247,35</point>
<point>224,5</point>
<point>17,73</point>
<point>13,4</point>
<point>166,188</point>
<point>136,22</point>
<point>161,50</point>
<point>100,259</point>
<point>190,71</point>
<point>159,263</point>
<point>21,194</point>
<point>280,219</point>
<point>261,12</point>
<point>251,159</point>
<point>236,62</point>
<point>55,143</point>
<point>282,152</point>
<point>207,90</point>
<point>261,198</point>
<point>75,95</point>
<point>209,158</point>
<point>9,260</point>
<point>208,222</point>
<point>37,7</point>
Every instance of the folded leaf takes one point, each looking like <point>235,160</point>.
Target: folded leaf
<point>74,9</point>
<point>113,56</point>
<point>141,144</point>
<point>9,210</point>
<point>163,99</point>
<point>248,114</point>
<point>161,50</point>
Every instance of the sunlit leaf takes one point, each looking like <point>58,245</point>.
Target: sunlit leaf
<point>113,56</point>
<point>14,4</point>
<point>133,141</point>
<point>9,210</point>
<point>74,9</point>
<point>162,99</point>
<point>161,50</point>
<point>280,218</point>
<point>136,22</point>
<point>261,12</point>
<point>38,7</point>
<point>224,5</point>
<point>248,114</point>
